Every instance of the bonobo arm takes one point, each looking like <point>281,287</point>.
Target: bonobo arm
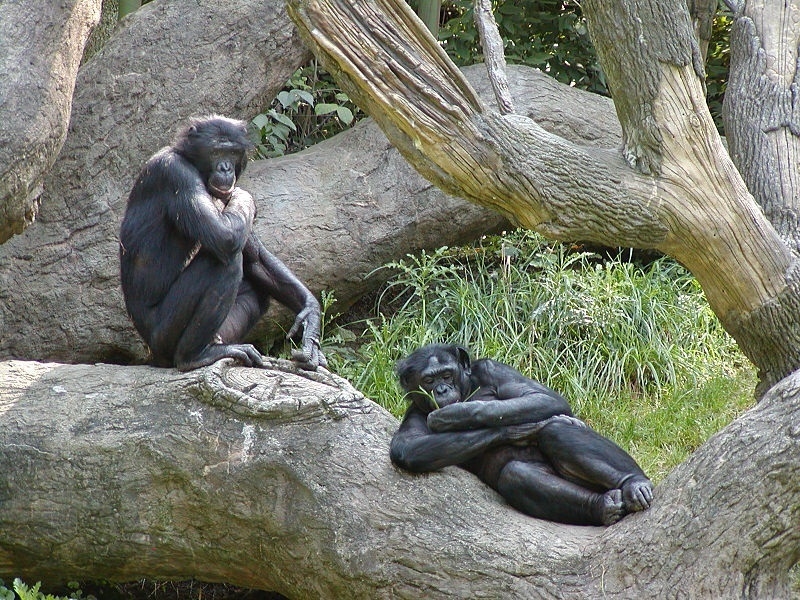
<point>503,396</point>
<point>415,448</point>
<point>476,414</point>
<point>221,229</point>
<point>270,276</point>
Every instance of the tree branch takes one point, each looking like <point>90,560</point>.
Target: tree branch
<point>693,204</point>
<point>493,54</point>
<point>280,479</point>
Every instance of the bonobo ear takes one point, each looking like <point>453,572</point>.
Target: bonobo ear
<point>401,369</point>
<point>463,358</point>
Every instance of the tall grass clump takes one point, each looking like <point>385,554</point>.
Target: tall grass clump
<point>635,348</point>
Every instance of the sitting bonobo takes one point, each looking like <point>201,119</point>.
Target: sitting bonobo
<point>516,435</point>
<point>195,277</point>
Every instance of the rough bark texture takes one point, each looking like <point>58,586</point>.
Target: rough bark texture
<point>279,480</point>
<point>693,205</point>
<point>761,109</point>
<point>40,50</point>
<point>59,283</point>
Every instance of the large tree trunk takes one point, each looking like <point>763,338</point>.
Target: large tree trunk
<point>40,50</point>
<point>281,480</point>
<point>673,187</point>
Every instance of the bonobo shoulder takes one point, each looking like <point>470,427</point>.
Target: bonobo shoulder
<point>487,369</point>
<point>488,372</point>
<point>166,169</point>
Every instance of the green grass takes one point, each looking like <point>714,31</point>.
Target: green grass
<point>635,348</point>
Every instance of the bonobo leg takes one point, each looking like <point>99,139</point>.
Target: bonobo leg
<point>587,458</point>
<point>270,278</point>
<point>538,491</point>
<point>185,325</point>
<point>244,314</point>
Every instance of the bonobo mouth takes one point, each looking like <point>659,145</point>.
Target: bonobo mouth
<point>222,194</point>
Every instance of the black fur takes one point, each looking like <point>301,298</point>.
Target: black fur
<point>517,435</point>
<point>194,277</point>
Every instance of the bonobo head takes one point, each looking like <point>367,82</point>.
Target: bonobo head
<point>217,147</point>
<point>435,376</point>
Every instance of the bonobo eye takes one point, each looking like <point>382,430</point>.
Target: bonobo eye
<point>447,376</point>
<point>427,380</point>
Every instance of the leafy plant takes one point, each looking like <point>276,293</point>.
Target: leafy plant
<point>309,109</point>
<point>26,592</point>
<point>552,35</point>
<point>548,34</point>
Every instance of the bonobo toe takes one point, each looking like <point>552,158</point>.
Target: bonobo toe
<point>612,508</point>
<point>637,494</point>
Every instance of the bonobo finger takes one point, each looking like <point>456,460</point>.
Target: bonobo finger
<point>256,360</point>
<point>565,420</point>
<point>245,354</point>
<point>303,359</point>
<point>310,358</point>
<point>299,321</point>
<point>321,360</point>
<point>638,495</point>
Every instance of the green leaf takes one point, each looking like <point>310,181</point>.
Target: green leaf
<point>345,115</point>
<point>284,120</point>
<point>261,120</point>
<point>285,98</point>
<point>325,109</point>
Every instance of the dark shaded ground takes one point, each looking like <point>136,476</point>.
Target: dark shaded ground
<point>170,590</point>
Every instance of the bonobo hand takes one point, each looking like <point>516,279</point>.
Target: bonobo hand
<point>310,355</point>
<point>241,201</point>
<point>460,416</point>
<point>527,432</point>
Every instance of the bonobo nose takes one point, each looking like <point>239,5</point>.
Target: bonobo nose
<point>225,166</point>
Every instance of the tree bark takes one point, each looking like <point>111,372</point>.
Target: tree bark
<point>40,50</point>
<point>675,190</point>
<point>278,479</point>
<point>761,107</point>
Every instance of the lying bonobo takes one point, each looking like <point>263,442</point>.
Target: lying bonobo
<point>516,435</point>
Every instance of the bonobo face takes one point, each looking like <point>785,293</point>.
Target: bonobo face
<point>435,376</point>
<point>222,178</point>
<point>217,147</point>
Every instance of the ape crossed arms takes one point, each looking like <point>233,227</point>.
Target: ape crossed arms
<point>195,277</point>
<point>516,435</point>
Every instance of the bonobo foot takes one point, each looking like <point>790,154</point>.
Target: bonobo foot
<point>611,507</point>
<point>637,493</point>
<point>243,353</point>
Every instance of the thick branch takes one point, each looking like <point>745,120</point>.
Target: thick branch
<point>40,50</point>
<point>762,114</point>
<point>277,479</point>
<point>493,54</point>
